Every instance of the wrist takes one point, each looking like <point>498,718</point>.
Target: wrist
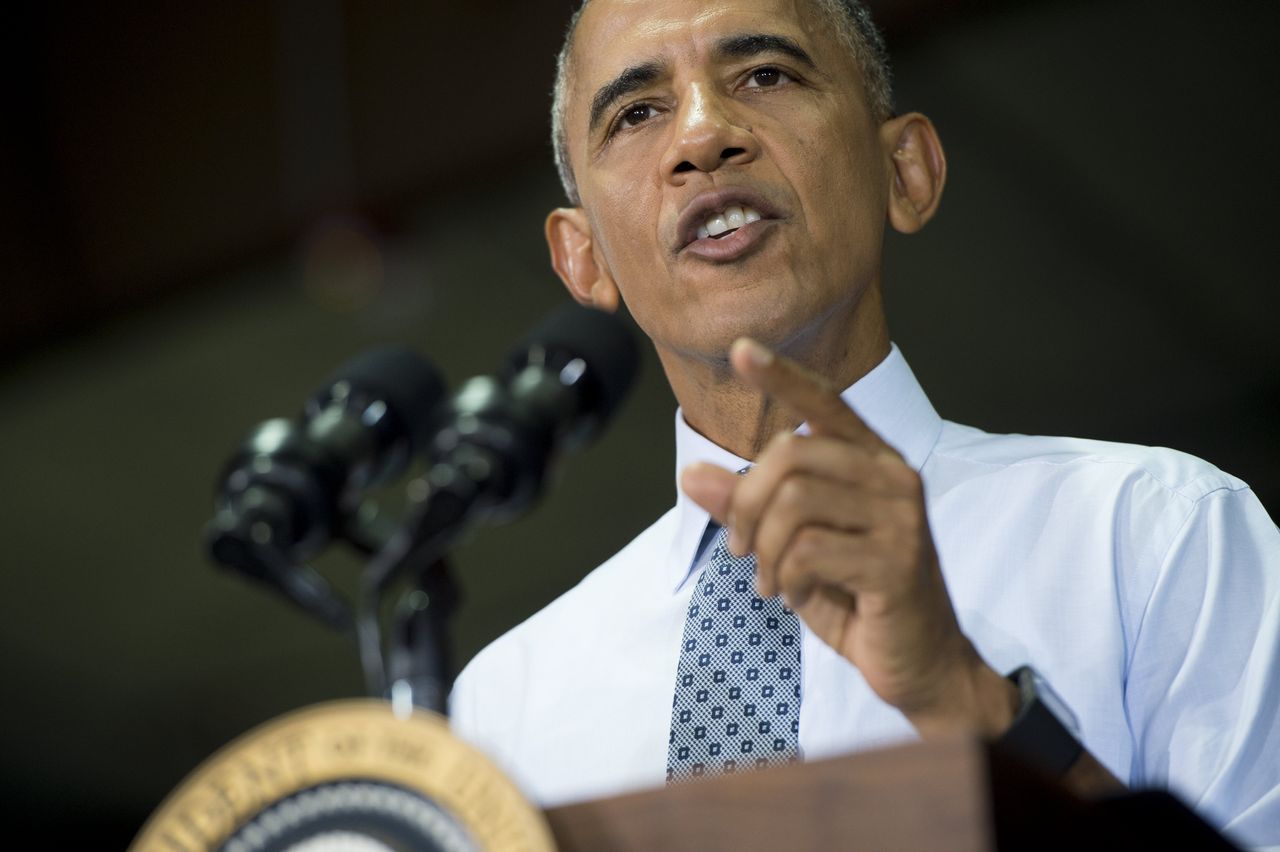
<point>976,700</point>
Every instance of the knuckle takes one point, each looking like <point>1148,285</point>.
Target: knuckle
<point>791,493</point>
<point>793,574</point>
<point>806,547</point>
<point>884,536</point>
<point>852,464</point>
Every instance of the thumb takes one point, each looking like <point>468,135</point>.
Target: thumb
<point>710,487</point>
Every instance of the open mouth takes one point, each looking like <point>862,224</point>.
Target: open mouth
<point>721,223</point>
<point>726,224</point>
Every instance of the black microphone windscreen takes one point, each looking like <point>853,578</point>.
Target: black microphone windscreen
<point>603,341</point>
<point>406,381</point>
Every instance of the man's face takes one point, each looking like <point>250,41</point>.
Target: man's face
<point>682,112</point>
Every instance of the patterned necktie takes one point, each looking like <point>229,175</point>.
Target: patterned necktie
<point>737,696</point>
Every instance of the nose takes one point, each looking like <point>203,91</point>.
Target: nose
<point>707,136</point>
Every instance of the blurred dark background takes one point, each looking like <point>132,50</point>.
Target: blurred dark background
<point>206,206</point>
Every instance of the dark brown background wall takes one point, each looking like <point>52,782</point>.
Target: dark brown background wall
<point>205,207</point>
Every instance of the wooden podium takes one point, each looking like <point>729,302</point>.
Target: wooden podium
<point>962,796</point>
<point>357,766</point>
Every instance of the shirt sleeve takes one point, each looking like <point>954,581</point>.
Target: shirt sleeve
<point>462,707</point>
<point>468,706</point>
<point>1202,692</point>
<point>484,709</point>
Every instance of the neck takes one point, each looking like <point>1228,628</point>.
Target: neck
<point>740,418</point>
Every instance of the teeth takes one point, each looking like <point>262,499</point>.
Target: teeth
<point>730,219</point>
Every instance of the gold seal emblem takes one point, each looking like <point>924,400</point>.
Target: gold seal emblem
<point>360,740</point>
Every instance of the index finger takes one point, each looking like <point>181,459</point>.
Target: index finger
<point>804,393</point>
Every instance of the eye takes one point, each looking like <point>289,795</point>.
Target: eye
<point>634,115</point>
<point>763,78</point>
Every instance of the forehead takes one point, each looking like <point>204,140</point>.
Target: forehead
<point>615,34</point>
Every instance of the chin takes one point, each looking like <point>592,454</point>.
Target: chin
<point>717,335</point>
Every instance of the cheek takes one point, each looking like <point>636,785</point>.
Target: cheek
<point>624,226</point>
<point>655,301</point>
<point>847,186</point>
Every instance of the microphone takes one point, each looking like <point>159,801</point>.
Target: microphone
<point>495,438</point>
<point>293,485</point>
<point>555,392</point>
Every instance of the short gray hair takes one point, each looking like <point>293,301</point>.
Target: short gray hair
<point>852,21</point>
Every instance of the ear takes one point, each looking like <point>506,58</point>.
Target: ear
<point>918,167</point>
<point>574,259</point>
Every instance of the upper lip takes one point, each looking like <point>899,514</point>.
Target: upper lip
<point>705,203</point>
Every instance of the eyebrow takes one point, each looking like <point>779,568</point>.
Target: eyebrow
<point>734,47</point>
<point>635,77</point>
<point>754,44</point>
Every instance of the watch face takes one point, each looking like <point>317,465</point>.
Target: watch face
<point>1054,702</point>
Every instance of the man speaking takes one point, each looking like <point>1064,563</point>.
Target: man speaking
<point>877,573</point>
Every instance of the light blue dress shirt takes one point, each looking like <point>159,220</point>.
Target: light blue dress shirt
<point>1143,583</point>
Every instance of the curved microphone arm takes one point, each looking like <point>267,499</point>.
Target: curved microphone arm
<point>296,485</point>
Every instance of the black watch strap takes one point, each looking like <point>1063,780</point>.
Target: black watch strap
<point>1038,734</point>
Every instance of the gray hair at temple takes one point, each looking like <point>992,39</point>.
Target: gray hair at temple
<point>852,22</point>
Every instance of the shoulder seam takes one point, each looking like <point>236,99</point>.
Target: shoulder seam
<point>1217,476</point>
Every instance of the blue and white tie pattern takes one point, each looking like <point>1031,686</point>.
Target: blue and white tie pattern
<point>737,695</point>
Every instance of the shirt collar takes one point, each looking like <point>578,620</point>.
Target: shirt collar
<point>889,400</point>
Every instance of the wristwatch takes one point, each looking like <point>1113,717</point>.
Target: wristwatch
<point>1044,732</point>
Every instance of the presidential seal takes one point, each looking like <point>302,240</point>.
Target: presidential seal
<point>348,775</point>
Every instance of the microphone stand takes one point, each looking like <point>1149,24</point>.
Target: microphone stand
<point>444,501</point>
<point>411,664</point>
<point>418,669</point>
